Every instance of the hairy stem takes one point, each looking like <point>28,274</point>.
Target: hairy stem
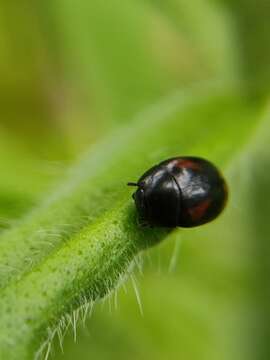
<point>78,243</point>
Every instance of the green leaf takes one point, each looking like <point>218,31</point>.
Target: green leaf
<point>214,303</point>
<point>77,245</point>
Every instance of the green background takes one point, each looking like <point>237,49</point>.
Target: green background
<point>72,73</point>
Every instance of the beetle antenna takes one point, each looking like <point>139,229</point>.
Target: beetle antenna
<point>132,184</point>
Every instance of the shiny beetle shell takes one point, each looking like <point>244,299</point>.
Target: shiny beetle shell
<point>182,191</point>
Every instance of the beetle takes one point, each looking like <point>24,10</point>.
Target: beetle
<point>181,191</point>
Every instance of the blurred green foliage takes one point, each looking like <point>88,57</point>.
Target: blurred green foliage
<point>71,72</point>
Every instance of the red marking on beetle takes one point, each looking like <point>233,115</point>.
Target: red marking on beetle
<point>189,164</point>
<point>198,211</point>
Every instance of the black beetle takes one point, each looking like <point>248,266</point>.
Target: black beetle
<point>182,191</point>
